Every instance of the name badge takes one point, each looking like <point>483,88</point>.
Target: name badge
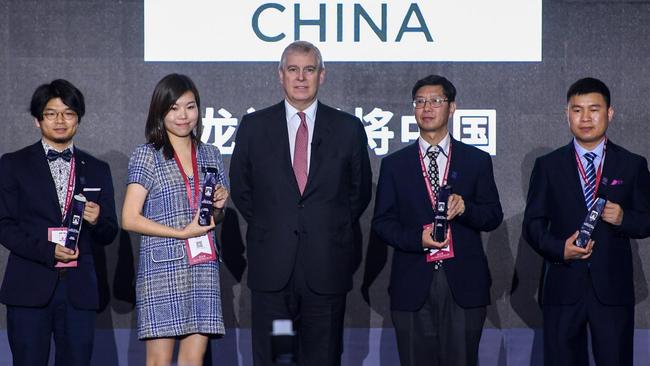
<point>58,236</point>
<point>433,254</point>
<point>200,249</point>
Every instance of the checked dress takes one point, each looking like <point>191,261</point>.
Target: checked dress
<point>172,297</point>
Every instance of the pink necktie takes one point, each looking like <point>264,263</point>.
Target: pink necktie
<point>300,153</point>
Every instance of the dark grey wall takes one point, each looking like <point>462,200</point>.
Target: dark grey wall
<point>98,45</point>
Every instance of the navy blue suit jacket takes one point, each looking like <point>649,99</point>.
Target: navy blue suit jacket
<point>402,207</point>
<point>28,207</point>
<point>322,221</point>
<point>555,209</point>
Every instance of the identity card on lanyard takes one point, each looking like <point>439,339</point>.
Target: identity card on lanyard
<point>58,235</point>
<point>201,248</point>
<point>433,254</point>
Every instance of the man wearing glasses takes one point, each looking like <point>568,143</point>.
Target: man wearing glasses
<point>51,290</point>
<point>440,282</point>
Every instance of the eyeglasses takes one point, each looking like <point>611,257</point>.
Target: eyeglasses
<point>68,115</point>
<point>436,102</point>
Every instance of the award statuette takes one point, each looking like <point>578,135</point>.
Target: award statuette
<point>439,232</point>
<point>206,209</point>
<point>590,222</point>
<point>76,219</point>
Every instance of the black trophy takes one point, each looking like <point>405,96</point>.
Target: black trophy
<point>206,209</point>
<point>76,219</point>
<point>439,229</point>
<point>590,222</point>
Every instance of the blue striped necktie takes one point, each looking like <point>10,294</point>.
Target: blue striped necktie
<point>590,184</point>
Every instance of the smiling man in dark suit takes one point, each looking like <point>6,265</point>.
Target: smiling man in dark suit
<point>36,187</point>
<point>439,290</point>
<point>300,176</point>
<point>590,287</point>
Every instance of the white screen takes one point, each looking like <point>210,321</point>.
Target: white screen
<point>362,30</point>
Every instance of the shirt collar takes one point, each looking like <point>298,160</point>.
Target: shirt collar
<point>309,111</point>
<point>598,150</point>
<point>444,145</point>
<point>47,147</point>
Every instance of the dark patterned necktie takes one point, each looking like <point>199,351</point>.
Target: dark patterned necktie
<point>53,155</point>
<point>434,175</point>
<point>434,178</point>
<point>590,184</point>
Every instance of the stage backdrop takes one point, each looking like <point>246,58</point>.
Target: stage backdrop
<point>511,61</point>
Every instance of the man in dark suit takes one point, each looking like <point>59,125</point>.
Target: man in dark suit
<point>301,178</point>
<point>438,302</point>
<point>592,286</point>
<point>36,187</point>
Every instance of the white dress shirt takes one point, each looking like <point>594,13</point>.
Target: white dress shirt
<point>442,157</point>
<point>293,122</point>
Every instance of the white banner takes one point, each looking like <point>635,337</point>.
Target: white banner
<point>361,30</point>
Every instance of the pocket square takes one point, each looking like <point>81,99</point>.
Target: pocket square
<point>616,182</point>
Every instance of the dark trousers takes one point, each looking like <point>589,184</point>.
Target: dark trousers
<point>565,332</point>
<point>441,333</point>
<point>30,330</point>
<point>317,319</point>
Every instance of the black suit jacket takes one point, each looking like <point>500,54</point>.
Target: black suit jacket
<point>28,207</point>
<point>556,208</point>
<point>402,207</point>
<point>322,220</point>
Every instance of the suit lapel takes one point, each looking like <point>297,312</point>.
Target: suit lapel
<point>610,165</point>
<point>568,171</point>
<point>42,179</point>
<point>413,166</point>
<point>456,161</point>
<point>410,169</point>
<point>278,142</point>
<point>322,130</point>
<point>80,170</point>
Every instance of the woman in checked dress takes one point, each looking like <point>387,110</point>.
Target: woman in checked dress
<point>175,300</point>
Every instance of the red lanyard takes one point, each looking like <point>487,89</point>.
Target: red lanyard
<point>70,190</point>
<point>425,175</point>
<point>583,172</point>
<point>194,201</point>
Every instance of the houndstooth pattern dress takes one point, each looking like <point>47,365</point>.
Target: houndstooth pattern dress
<point>172,297</point>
